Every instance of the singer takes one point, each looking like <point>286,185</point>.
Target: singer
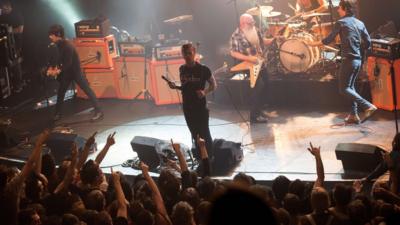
<point>193,77</point>
<point>66,67</point>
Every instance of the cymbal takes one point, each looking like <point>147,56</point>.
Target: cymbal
<point>272,14</point>
<point>315,14</point>
<point>179,19</point>
<point>265,9</point>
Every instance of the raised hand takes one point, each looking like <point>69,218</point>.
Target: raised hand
<point>144,167</point>
<point>43,137</point>
<point>74,151</point>
<point>110,139</point>
<point>358,185</point>
<point>175,146</point>
<point>200,142</point>
<point>115,175</point>
<point>314,150</point>
<point>90,141</point>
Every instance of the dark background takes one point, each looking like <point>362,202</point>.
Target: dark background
<point>213,21</point>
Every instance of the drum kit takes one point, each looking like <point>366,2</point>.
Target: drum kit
<point>290,53</point>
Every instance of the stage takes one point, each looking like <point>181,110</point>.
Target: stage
<point>276,148</point>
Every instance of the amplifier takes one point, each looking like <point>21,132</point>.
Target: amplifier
<point>92,28</point>
<point>137,49</point>
<point>388,48</point>
<point>167,52</point>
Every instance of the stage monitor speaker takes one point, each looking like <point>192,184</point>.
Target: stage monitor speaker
<point>161,92</point>
<point>146,150</point>
<point>129,74</point>
<point>227,155</point>
<point>96,53</point>
<point>60,145</point>
<point>102,82</point>
<point>380,79</point>
<point>358,158</point>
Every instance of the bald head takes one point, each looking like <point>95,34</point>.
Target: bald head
<point>246,21</point>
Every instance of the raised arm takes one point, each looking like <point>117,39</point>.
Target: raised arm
<point>155,193</point>
<point>63,186</point>
<point>103,152</point>
<point>316,152</point>
<point>122,203</point>
<point>205,163</point>
<point>85,153</point>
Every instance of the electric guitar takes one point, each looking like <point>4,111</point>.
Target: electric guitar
<point>253,68</point>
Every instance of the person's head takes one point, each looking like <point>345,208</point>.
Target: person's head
<point>357,213</point>
<point>320,200</point>
<point>188,53</point>
<point>182,214</point>
<point>91,173</point>
<point>346,7</point>
<point>48,165</point>
<point>95,200</point>
<point>342,194</point>
<point>239,206</point>
<point>70,219</point>
<point>246,22</point>
<point>103,218</point>
<point>28,217</point>
<point>56,33</point>
<point>242,179</point>
<point>280,187</point>
<point>202,212</point>
<point>298,188</point>
<point>191,196</point>
<point>6,6</point>
<point>139,215</point>
<point>292,204</point>
<point>168,183</point>
<point>264,192</point>
<point>206,187</point>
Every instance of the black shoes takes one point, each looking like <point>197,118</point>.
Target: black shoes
<point>352,119</point>
<point>368,113</point>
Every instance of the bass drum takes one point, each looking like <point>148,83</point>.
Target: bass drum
<point>296,56</point>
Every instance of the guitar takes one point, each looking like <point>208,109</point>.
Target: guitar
<point>253,68</point>
<point>53,71</point>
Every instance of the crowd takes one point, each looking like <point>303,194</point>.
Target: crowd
<point>77,192</point>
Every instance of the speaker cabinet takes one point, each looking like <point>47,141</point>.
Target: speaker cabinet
<point>102,82</point>
<point>379,76</point>
<point>96,52</point>
<point>358,158</point>
<point>161,92</point>
<point>60,145</point>
<point>146,151</point>
<point>130,74</point>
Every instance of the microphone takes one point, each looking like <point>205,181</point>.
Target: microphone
<point>165,78</point>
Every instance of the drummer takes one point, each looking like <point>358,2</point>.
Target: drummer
<point>311,6</point>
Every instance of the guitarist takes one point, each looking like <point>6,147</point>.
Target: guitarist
<point>247,44</point>
<point>65,66</point>
<point>353,36</point>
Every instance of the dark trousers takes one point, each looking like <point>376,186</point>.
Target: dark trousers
<point>258,94</point>
<point>197,121</point>
<point>349,70</point>
<point>82,82</point>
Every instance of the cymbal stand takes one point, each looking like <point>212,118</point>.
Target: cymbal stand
<point>145,92</point>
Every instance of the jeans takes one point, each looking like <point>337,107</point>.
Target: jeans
<point>197,121</point>
<point>82,82</point>
<point>349,70</point>
<point>257,94</point>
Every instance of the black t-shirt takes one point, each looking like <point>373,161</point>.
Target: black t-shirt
<point>193,78</point>
<point>68,59</point>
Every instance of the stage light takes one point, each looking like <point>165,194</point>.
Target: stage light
<point>66,9</point>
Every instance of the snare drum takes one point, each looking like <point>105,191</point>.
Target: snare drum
<point>323,30</point>
<point>296,56</point>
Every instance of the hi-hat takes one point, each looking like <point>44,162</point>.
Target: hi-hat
<point>272,14</point>
<point>265,9</point>
<point>179,19</point>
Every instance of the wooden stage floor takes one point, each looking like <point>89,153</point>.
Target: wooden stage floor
<point>276,148</point>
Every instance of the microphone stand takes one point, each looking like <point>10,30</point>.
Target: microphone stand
<point>331,10</point>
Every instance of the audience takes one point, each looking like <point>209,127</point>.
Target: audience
<point>77,192</point>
